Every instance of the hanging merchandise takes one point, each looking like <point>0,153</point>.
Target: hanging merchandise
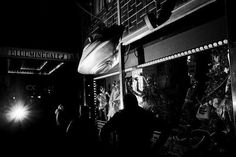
<point>217,93</point>
<point>221,109</point>
<point>137,84</point>
<point>149,95</point>
<point>102,97</point>
<point>188,107</point>
<point>114,100</point>
<point>203,112</point>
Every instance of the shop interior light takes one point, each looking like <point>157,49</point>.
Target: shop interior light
<point>225,41</point>
<point>186,52</point>
<point>37,69</point>
<point>210,46</point>
<point>220,43</point>
<point>215,44</point>
<point>58,66</point>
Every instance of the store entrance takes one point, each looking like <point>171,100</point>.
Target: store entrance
<point>30,91</point>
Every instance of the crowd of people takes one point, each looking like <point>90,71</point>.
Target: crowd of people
<point>131,128</point>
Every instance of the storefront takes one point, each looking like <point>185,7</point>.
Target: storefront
<point>180,70</point>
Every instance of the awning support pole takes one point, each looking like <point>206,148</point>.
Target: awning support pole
<point>121,58</point>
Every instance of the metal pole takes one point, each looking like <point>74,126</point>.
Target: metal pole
<point>121,58</point>
<point>230,16</point>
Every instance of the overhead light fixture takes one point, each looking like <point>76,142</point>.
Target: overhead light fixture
<point>35,72</point>
<point>36,69</point>
<point>58,66</point>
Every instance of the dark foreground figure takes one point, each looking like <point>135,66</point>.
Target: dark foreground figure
<point>132,128</point>
<point>82,135</point>
<point>79,136</point>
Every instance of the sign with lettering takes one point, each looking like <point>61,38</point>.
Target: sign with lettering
<point>38,54</point>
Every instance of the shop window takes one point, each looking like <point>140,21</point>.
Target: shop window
<point>192,94</point>
<point>107,97</point>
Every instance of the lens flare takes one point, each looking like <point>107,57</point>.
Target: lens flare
<point>18,112</point>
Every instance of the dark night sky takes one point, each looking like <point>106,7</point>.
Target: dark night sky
<point>41,24</point>
<point>49,25</point>
<point>44,24</point>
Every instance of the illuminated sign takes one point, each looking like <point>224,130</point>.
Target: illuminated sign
<point>39,54</point>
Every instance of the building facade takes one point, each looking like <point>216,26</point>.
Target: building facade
<point>177,57</point>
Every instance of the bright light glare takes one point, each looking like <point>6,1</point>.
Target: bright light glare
<point>18,112</point>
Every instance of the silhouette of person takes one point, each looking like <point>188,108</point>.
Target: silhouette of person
<point>61,119</point>
<point>134,128</point>
<point>78,134</point>
<point>82,133</point>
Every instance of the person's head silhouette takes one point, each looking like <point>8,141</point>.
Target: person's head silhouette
<point>130,102</point>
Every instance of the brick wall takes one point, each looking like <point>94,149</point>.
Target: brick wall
<point>132,14</point>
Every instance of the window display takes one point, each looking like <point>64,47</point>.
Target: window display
<point>191,93</point>
<point>107,101</point>
<point>103,97</point>
<point>205,123</point>
<point>114,100</point>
